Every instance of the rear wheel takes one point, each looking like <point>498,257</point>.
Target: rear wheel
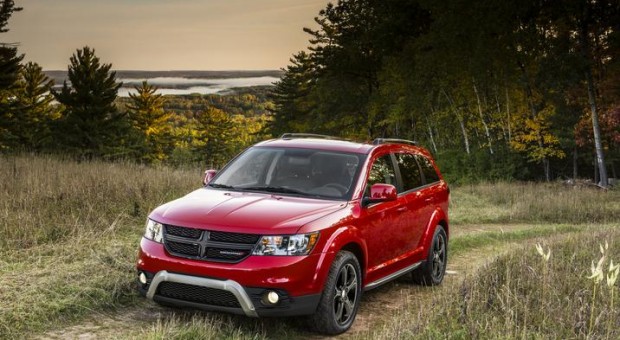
<point>432,271</point>
<point>341,295</point>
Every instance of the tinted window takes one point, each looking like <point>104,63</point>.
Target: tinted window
<point>409,171</point>
<point>428,170</point>
<point>382,171</point>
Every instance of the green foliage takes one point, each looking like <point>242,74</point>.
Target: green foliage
<point>458,167</point>
<point>9,73</point>
<point>213,136</point>
<point>35,112</point>
<point>456,75</point>
<point>7,8</point>
<point>91,125</point>
<point>151,122</point>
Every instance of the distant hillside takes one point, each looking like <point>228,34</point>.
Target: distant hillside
<point>59,76</point>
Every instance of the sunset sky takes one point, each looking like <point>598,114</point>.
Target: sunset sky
<point>164,34</point>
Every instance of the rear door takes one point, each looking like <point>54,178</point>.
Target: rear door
<point>415,200</point>
<point>431,194</point>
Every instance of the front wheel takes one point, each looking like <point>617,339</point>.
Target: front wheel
<point>341,296</point>
<point>432,271</point>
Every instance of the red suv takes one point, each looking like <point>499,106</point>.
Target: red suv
<point>300,225</point>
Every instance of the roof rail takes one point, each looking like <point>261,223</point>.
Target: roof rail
<point>306,135</point>
<point>378,141</point>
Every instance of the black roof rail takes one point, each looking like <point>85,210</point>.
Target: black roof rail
<point>306,135</point>
<point>378,141</point>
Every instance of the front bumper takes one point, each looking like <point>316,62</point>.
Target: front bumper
<point>298,280</point>
<point>248,301</point>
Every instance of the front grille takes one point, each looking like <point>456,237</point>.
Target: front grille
<point>233,237</point>
<point>184,248</point>
<point>208,296</point>
<point>183,232</point>
<point>208,245</point>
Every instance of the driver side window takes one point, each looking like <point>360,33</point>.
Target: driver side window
<point>382,171</point>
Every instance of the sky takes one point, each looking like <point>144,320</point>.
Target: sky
<point>164,34</point>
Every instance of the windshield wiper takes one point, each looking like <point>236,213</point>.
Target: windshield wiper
<point>281,190</point>
<point>221,186</point>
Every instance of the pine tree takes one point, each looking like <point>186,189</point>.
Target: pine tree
<point>9,59</point>
<point>34,109</point>
<point>148,118</point>
<point>9,72</point>
<point>213,144</point>
<point>288,94</point>
<point>91,125</point>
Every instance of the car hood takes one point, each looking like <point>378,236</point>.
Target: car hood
<point>243,212</point>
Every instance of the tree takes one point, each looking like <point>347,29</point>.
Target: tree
<point>9,73</point>
<point>148,118</point>
<point>9,59</point>
<point>34,111</point>
<point>214,137</point>
<point>91,125</point>
<point>289,96</point>
<point>593,21</point>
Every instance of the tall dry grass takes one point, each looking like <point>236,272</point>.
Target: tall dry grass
<point>69,234</point>
<point>521,295</point>
<point>533,203</point>
<point>70,231</point>
<point>48,199</point>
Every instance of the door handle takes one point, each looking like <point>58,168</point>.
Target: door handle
<point>428,199</point>
<point>401,209</point>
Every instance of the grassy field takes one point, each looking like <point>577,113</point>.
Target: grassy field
<point>71,230</point>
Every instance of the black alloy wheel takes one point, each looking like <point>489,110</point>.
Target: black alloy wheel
<point>432,271</point>
<point>341,296</point>
<point>345,294</point>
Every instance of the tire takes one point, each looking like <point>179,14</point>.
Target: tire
<point>432,271</point>
<point>338,305</point>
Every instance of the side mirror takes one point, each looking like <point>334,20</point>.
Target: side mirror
<point>380,192</point>
<point>209,174</point>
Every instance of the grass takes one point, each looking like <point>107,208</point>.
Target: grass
<point>467,242</point>
<point>520,295</point>
<point>197,327</point>
<point>71,230</point>
<point>533,203</point>
<point>69,235</point>
<point>46,199</point>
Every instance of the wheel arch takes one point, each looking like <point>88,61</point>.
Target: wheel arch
<point>346,238</point>
<point>437,218</point>
<point>356,249</point>
<point>445,226</point>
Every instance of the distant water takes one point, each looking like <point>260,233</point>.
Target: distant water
<point>181,85</point>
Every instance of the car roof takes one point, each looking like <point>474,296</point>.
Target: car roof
<point>332,145</point>
<point>318,143</point>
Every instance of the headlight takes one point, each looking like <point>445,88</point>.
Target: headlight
<point>154,231</point>
<point>300,244</point>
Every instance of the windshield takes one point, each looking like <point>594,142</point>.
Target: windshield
<point>291,171</point>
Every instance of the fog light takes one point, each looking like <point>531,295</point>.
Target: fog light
<point>271,298</point>
<point>142,278</point>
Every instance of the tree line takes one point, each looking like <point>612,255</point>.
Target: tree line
<point>496,89</point>
<point>86,118</point>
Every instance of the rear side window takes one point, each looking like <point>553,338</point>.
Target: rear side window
<point>409,171</point>
<point>427,169</point>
